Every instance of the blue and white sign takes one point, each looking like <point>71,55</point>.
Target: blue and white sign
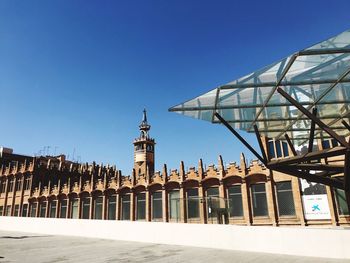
<point>316,207</point>
<point>315,201</point>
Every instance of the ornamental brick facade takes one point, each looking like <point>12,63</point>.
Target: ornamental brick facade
<point>240,193</point>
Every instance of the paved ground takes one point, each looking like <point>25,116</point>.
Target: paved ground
<point>24,247</point>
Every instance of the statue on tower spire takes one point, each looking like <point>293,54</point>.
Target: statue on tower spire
<point>144,126</point>
<point>144,150</point>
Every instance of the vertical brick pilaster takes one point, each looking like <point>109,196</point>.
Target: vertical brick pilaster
<point>165,205</point>
<point>183,208</point>
<point>247,210</point>
<point>201,204</point>
<point>132,206</point>
<point>332,206</point>
<point>271,200</point>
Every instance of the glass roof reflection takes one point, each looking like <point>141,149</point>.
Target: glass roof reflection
<point>317,76</point>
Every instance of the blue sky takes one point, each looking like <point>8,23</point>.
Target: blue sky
<point>77,74</point>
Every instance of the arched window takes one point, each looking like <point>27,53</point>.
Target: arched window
<point>213,202</point>
<point>63,206</point>
<point>85,206</point>
<point>111,206</point>
<point>259,199</point>
<point>33,208</point>
<point>234,193</point>
<point>52,207</point>
<point>192,203</point>
<point>141,206</point>
<point>174,204</point>
<point>74,206</point>
<point>125,207</point>
<point>42,207</point>
<point>98,203</point>
<point>157,207</point>
<point>285,199</point>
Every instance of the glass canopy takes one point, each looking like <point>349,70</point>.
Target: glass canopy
<point>317,76</point>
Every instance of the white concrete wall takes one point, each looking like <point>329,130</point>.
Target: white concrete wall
<point>302,241</point>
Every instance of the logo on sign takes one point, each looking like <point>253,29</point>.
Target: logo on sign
<point>315,207</point>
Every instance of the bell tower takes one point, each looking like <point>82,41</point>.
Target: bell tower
<point>144,150</point>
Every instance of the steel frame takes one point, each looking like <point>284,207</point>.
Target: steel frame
<point>302,166</point>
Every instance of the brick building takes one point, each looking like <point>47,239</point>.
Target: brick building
<point>244,194</point>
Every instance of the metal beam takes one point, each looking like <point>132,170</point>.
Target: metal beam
<point>347,177</point>
<point>336,151</point>
<point>318,100</point>
<point>251,106</point>
<point>312,131</point>
<point>239,137</point>
<point>347,171</point>
<point>284,73</point>
<point>291,145</point>
<point>312,177</point>
<point>283,83</point>
<point>318,167</point>
<point>312,52</point>
<point>258,137</point>
<point>346,125</point>
<point>335,120</point>
<point>320,123</point>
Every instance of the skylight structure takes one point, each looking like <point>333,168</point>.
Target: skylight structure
<point>317,76</point>
<point>302,97</point>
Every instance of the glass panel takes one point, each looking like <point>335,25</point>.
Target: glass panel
<point>43,209</point>
<point>3,187</point>
<point>11,185</point>
<point>285,199</point>
<point>207,99</point>
<point>285,149</point>
<point>235,201</point>
<point>259,200</point>
<point>24,210</point>
<point>213,202</point>
<point>33,209</point>
<point>27,183</point>
<point>326,144</point>
<point>245,96</point>
<point>63,208</point>
<point>174,205</point>
<point>278,149</point>
<point>269,74</point>
<point>343,208</point>
<point>74,207</point>
<point>8,210</point>
<point>141,206</point>
<point>98,207</point>
<point>112,203</point>
<point>213,192</point>
<point>339,41</point>
<point>307,80</point>
<point>192,203</point>
<point>157,207</point>
<point>125,207</point>
<point>16,212</point>
<point>85,206</point>
<point>18,185</point>
<point>53,207</point>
